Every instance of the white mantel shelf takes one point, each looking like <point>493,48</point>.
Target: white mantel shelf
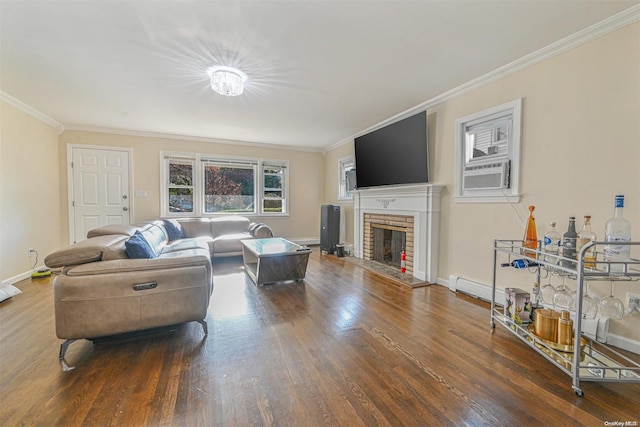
<point>422,201</point>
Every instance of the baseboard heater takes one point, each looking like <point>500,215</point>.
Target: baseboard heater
<point>474,289</point>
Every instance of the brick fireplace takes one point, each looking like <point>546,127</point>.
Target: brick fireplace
<point>412,208</point>
<point>397,225</point>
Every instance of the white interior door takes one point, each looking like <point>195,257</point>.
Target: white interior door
<point>100,193</point>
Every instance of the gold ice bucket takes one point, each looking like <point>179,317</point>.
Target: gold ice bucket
<point>545,324</point>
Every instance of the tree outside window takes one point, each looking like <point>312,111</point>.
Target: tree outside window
<point>228,189</point>
<point>180,186</point>
<point>204,185</point>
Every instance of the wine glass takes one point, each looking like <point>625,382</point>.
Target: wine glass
<point>589,305</point>
<point>547,291</point>
<point>562,299</point>
<point>611,306</point>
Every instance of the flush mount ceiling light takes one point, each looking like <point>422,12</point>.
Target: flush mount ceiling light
<point>227,81</point>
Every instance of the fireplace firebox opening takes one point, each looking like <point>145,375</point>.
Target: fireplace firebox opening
<point>388,243</point>
<point>394,233</point>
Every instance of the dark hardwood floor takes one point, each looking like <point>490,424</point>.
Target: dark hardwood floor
<point>343,348</point>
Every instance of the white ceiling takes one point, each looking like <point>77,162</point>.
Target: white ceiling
<point>319,71</point>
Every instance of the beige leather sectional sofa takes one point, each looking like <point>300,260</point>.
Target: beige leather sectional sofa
<point>102,291</point>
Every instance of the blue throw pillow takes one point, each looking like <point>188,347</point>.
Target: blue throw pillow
<point>138,247</point>
<point>174,229</point>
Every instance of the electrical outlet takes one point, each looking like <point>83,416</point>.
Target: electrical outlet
<point>31,252</point>
<point>633,298</point>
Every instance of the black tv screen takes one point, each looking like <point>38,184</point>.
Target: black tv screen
<point>395,154</point>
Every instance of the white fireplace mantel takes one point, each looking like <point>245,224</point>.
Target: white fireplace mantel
<point>422,201</point>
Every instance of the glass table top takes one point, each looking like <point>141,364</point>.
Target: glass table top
<point>274,245</point>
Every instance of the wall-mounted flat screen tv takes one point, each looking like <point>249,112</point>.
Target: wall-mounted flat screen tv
<point>394,154</point>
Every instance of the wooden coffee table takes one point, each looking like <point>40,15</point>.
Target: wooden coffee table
<point>274,260</point>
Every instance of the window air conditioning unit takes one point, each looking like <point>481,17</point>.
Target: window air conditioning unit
<point>351,180</point>
<point>487,176</point>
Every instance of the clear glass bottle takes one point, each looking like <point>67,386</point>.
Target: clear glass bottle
<point>569,244</point>
<point>617,229</point>
<point>530,240</point>
<point>551,244</point>
<point>585,236</point>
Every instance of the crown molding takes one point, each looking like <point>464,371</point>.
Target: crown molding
<point>145,134</point>
<point>597,30</point>
<point>25,108</point>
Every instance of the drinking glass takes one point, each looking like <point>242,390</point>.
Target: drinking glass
<point>611,306</point>
<point>546,293</point>
<point>589,305</point>
<point>562,299</point>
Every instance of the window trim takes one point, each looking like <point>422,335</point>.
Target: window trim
<point>343,194</point>
<point>285,186</point>
<point>200,160</point>
<point>231,163</point>
<point>508,111</point>
<point>165,183</point>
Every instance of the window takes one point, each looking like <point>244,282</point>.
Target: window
<point>229,187</point>
<point>346,180</point>
<point>273,188</point>
<point>488,155</point>
<point>180,189</point>
<point>201,185</point>
<point>490,138</point>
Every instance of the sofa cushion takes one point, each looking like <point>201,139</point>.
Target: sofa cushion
<point>188,243</point>
<point>195,227</point>
<point>174,229</point>
<point>138,247</point>
<point>229,243</point>
<point>115,251</point>
<point>124,229</point>
<point>228,225</point>
<point>84,251</point>
<point>156,235</point>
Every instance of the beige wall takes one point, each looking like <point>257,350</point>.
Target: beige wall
<point>306,176</point>
<point>580,147</point>
<point>29,182</point>
<point>331,193</point>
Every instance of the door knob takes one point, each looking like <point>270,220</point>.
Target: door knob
<point>125,209</point>
<point>124,197</point>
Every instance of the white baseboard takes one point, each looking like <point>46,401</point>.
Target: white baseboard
<point>623,343</point>
<point>482,291</point>
<point>14,279</point>
<point>19,277</point>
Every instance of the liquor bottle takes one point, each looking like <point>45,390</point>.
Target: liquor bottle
<point>535,297</point>
<point>552,244</point>
<point>617,229</point>
<point>520,263</point>
<point>569,244</point>
<point>530,240</point>
<point>585,236</point>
